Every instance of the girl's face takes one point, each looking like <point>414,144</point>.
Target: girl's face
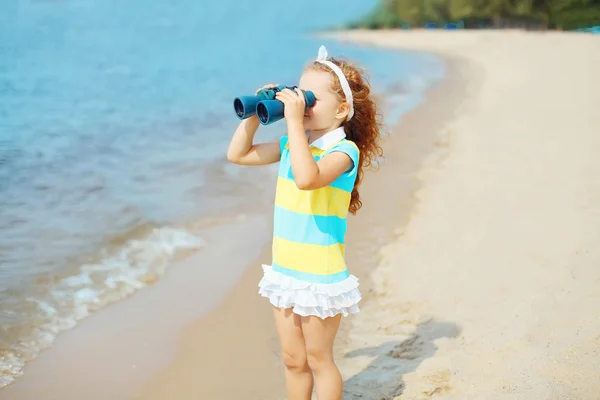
<point>328,112</point>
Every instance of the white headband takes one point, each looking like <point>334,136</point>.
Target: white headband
<point>322,58</point>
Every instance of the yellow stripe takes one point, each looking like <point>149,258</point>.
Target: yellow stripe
<point>315,151</point>
<point>311,258</point>
<point>327,201</point>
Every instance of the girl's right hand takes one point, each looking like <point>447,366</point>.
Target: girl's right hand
<point>267,86</point>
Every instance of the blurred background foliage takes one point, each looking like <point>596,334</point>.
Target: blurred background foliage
<point>527,14</point>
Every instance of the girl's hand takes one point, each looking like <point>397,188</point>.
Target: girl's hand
<point>267,86</point>
<point>294,104</point>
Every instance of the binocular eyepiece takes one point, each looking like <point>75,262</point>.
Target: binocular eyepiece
<point>265,106</point>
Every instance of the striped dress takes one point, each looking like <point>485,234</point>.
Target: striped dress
<point>308,271</point>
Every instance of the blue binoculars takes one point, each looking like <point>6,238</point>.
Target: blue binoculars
<point>265,106</point>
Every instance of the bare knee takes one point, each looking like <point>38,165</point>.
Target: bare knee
<point>319,360</point>
<point>295,361</point>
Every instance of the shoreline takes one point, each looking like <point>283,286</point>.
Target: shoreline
<point>132,328</point>
<point>205,352</point>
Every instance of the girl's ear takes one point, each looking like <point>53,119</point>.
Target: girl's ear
<point>342,111</point>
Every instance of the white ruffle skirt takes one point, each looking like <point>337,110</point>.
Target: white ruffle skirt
<point>305,298</point>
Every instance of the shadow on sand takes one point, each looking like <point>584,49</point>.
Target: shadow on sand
<point>383,378</point>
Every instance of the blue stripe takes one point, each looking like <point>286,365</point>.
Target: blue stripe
<point>313,278</point>
<point>346,147</point>
<point>286,172</point>
<point>308,229</point>
<point>342,182</point>
<point>346,180</point>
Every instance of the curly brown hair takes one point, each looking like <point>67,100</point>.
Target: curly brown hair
<point>365,126</point>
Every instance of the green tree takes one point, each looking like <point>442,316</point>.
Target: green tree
<point>461,9</point>
<point>437,11</point>
<point>409,11</point>
<point>567,14</point>
<point>573,14</point>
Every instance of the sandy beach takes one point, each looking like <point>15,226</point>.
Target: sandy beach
<point>477,251</point>
<point>492,291</point>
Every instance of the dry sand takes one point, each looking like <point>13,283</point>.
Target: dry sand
<point>493,289</point>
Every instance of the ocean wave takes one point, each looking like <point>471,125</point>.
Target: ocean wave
<point>55,305</point>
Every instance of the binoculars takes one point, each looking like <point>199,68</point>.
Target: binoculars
<point>265,106</point>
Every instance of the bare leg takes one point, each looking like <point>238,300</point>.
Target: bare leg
<point>319,336</point>
<point>298,376</point>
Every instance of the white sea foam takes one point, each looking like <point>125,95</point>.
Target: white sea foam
<point>115,276</point>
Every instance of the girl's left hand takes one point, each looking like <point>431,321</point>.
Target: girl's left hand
<point>294,104</point>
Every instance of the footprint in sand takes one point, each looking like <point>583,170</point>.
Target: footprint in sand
<point>408,349</point>
<point>423,386</point>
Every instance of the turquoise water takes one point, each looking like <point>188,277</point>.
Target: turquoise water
<point>114,121</point>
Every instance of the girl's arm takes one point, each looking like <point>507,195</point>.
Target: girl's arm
<point>308,174</point>
<point>242,151</point>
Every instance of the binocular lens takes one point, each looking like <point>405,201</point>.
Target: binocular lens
<point>262,113</point>
<point>238,105</point>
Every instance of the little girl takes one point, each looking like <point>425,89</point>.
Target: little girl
<point>321,166</point>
